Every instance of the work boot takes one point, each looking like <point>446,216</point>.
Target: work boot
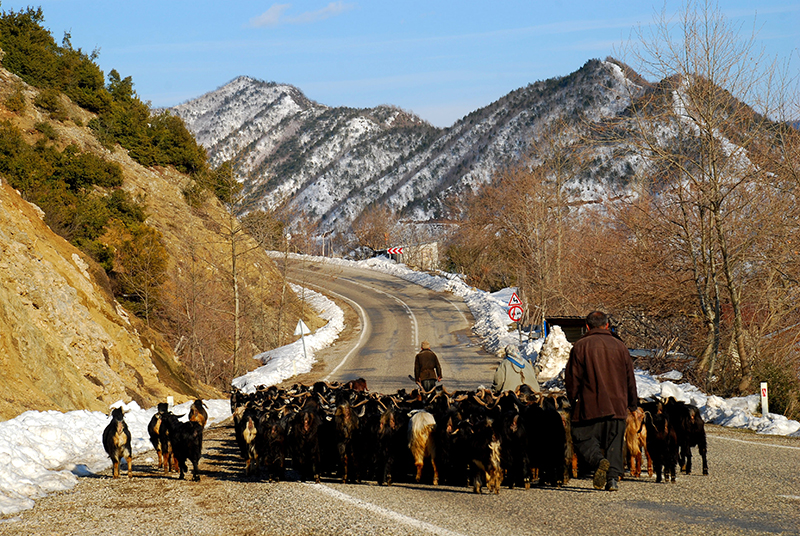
<point>612,485</point>
<point>599,480</point>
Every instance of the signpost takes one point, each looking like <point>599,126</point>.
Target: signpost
<point>515,311</point>
<point>394,251</point>
<point>764,399</point>
<point>301,330</point>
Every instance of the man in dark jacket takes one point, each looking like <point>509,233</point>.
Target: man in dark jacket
<point>427,370</point>
<point>602,388</point>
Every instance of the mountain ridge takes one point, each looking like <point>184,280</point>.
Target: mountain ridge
<point>330,164</point>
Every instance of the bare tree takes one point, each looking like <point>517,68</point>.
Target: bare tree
<point>141,266</point>
<point>229,191</point>
<point>374,227</point>
<point>197,297</point>
<point>520,218</point>
<point>709,196</point>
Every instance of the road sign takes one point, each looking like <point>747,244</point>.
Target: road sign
<point>394,251</point>
<point>514,300</point>
<point>515,313</point>
<point>301,328</point>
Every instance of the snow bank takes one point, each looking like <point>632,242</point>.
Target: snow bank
<point>43,452</point>
<point>292,359</point>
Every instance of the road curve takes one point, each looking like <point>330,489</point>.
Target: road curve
<point>753,487</point>
<point>387,320</point>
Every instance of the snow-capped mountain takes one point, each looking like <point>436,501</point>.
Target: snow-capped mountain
<point>332,163</point>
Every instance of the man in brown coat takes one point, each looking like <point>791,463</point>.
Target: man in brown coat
<point>427,370</point>
<point>602,388</point>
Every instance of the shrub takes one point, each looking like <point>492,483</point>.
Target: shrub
<point>84,170</point>
<point>30,51</point>
<point>194,194</point>
<point>49,100</point>
<point>16,101</point>
<point>47,130</point>
<point>125,209</point>
<point>101,253</point>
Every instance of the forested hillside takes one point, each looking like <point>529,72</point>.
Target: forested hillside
<point>117,264</point>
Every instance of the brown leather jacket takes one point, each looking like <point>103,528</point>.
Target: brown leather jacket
<point>426,366</point>
<point>599,377</point>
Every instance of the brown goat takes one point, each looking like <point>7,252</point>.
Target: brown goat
<point>636,443</point>
<point>198,413</point>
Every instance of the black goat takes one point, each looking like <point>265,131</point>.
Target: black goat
<point>305,441</point>
<point>662,445</point>
<point>169,424</point>
<point>153,429</point>
<point>485,457</point>
<point>246,429</point>
<point>117,441</point>
<point>689,430</point>
<point>514,457</point>
<point>187,444</point>
<point>347,422</point>
<point>271,443</point>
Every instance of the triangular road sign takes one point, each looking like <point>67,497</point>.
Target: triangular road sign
<point>301,328</point>
<point>514,300</point>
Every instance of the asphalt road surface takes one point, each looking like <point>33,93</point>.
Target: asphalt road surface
<point>753,486</point>
<point>386,320</point>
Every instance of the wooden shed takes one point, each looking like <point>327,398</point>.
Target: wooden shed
<point>573,327</point>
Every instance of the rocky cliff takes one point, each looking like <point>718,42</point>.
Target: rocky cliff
<point>65,342</point>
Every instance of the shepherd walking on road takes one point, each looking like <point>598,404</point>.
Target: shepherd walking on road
<point>601,388</point>
<point>427,370</point>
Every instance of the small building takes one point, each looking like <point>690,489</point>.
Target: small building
<point>574,327</point>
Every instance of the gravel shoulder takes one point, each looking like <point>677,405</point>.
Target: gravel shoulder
<point>753,488</point>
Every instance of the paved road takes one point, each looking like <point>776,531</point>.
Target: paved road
<point>753,488</point>
<point>387,318</point>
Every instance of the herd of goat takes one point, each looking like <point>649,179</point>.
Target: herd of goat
<point>472,438</point>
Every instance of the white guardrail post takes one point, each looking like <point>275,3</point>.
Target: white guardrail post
<point>764,399</point>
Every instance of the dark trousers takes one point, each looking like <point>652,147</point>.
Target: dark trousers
<point>600,439</point>
<point>427,385</point>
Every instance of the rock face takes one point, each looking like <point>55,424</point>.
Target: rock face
<point>63,342</point>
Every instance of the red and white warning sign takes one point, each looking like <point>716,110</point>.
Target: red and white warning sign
<point>515,313</point>
<point>394,251</point>
<point>515,307</point>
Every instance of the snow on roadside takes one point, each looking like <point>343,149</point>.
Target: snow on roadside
<point>46,451</point>
<point>292,359</point>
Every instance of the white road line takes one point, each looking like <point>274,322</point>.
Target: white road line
<point>364,327</point>
<point>409,312</point>
<point>754,442</point>
<point>459,311</point>
<point>391,514</point>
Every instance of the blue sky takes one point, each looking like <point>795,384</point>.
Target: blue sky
<point>439,59</point>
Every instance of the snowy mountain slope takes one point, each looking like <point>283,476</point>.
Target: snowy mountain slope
<point>332,163</point>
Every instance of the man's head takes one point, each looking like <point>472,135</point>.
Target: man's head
<point>425,345</point>
<point>597,319</point>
